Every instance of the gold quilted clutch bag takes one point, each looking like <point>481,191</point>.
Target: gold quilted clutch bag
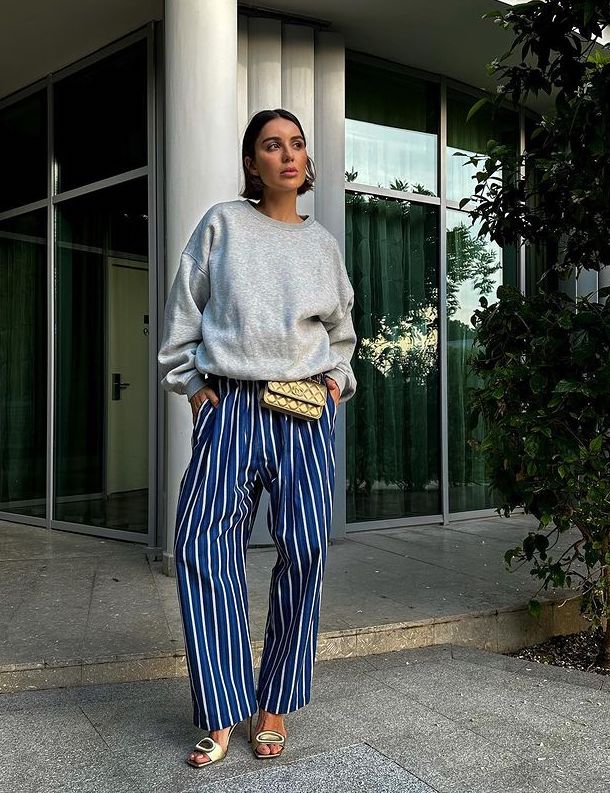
<point>302,398</point>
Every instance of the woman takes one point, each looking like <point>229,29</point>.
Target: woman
<point>261,294</point>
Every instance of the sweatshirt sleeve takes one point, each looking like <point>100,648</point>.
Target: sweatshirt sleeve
<point>341,331</point>
<point>183,311</point>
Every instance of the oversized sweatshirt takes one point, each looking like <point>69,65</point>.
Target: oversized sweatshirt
<point>257,298</point>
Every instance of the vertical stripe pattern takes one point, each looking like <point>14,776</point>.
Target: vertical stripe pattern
<point>239,448</point>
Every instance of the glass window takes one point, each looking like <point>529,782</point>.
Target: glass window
<point>102,353</point>
<point>393,425</point>
<point>100,119</point>
<point>23,151</point>
<point>23,364</point>
<point>391,128</point>
<point>470,137</point>
<point>474,269</point>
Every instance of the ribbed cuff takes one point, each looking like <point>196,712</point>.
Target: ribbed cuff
<point>194,384</point>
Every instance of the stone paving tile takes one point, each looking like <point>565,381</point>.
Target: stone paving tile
<point>48,748</point>
<point>351,768</point>
<point>452,760</point>
<point>529,668</point>
<point>510,710</point>
<point>525,777</point>
<point>21,542</point>
<point>415,722</point>
<point>435,652</point>
<point>110,625</point>
<point>51,624</point>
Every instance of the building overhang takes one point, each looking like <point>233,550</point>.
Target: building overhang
<point>439,36</point>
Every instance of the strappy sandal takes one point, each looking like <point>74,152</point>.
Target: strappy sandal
<point>212,748</point>
<point>266,736</point>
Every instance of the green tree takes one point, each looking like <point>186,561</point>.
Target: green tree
<point>545,360</point>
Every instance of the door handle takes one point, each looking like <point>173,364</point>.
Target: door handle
<point>117,385</point>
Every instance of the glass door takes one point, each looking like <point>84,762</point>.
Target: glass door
<point>102,353</point>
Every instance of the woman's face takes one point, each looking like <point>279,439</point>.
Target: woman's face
<point>279,147</point>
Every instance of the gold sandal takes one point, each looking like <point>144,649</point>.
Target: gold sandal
<point>266,736</point>
<point>212,748</point>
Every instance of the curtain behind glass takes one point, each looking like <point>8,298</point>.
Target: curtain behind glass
<point>393,419</point>
<point>23,364</point>
<point>391,128</point>
<point>470,137</point>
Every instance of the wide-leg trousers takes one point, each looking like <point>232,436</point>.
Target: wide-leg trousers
<point>238,448</point>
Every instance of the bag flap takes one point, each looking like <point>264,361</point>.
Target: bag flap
<point>306,391</point>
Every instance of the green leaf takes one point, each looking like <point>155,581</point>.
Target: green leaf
<point>599,57</point>
<point>596,444</point>
<point>476,107</point>
<point>566,387</point>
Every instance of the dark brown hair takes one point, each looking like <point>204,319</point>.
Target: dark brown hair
<point>254,184</point>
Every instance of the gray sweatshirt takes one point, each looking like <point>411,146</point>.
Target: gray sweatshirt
<point>258,299</point>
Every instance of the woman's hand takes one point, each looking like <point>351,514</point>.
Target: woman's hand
<point>333,388</point>
<point>199,397</point>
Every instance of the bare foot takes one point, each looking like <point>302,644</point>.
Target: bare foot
<point>270,721</point>
<point>220,736</point>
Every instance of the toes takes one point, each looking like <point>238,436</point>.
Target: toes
<point>199,757</point>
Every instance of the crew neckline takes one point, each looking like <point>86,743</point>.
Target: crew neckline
<point>283,224</point>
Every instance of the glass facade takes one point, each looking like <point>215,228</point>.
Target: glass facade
<point>23,364</point>
<point>100,119</point>
<point>393,453</point>
<point>84,442</point>
<point>391,129</point>
<point>23,151</point>
<point>471,138</point>
<point>393,256</point>
<point>76,453</point>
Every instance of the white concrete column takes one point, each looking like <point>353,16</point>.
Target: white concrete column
<point>201,167</point>
<point>298,65</point>
<point>329,133</point>
<point>264,64</point>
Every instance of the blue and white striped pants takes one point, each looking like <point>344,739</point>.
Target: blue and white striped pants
<point>239,448</point>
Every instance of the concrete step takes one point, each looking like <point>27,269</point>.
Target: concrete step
<point>495,631</point>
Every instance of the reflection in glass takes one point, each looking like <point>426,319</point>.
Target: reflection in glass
<point>23,151</point>
<point>388,157</point>
<point>471,138</point>
<point>100,119</point>
<point>391,129</point>
<point>23,364</point>
<point>102,358</point>
<point>474,269</point>
<point>393,419</point>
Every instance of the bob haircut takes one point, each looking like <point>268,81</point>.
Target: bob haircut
<point>254,184</point>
